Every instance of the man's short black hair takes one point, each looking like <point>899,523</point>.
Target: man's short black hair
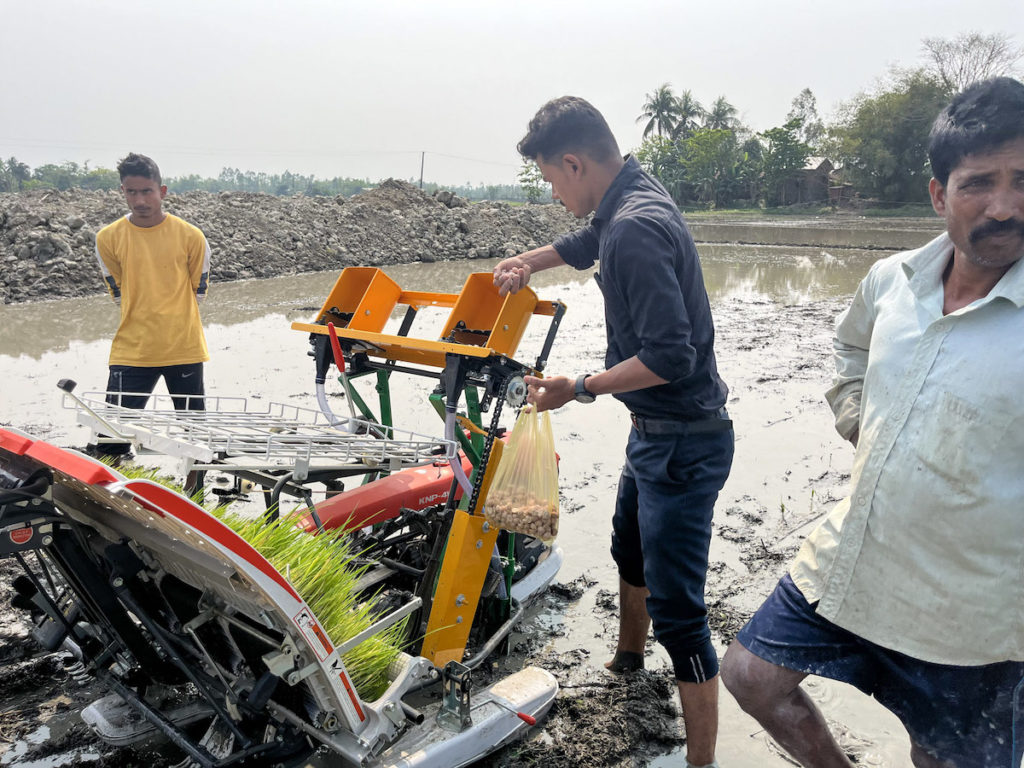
<point>568,124</point>
<point>138,165</point>
<point>983,116</point>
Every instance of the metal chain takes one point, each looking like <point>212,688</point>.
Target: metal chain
<point>485,455</point>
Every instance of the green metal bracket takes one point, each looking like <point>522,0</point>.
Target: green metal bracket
<point>357,399</point>
<point>384,395</point>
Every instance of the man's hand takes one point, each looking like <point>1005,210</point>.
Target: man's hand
<point>511,275</point>
<point>548,394</point>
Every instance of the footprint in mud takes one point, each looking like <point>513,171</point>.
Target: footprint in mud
<point>601,721</point>
<point>608,600</point>
<point>573,590</point>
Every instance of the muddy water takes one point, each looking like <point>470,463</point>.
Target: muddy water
<point>774,309</point>
<point>827,231</point>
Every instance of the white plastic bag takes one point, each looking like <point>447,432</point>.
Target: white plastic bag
<point>524,493</point>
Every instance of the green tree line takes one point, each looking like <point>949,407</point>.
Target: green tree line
<point>16,176</point>
<point>877,142</point>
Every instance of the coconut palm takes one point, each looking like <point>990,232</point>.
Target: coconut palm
<point>722,115</point>
<point>13,175</point>
<point>690,113</point>
<point>661,111</point>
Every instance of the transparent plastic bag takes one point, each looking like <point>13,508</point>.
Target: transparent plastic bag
<point>524,493</point>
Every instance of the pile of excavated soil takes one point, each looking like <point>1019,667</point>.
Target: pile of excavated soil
<point>47,239</point>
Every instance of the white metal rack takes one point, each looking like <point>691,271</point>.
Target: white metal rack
<point>233,433</point>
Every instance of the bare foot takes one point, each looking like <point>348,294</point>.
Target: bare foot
<point>625,661</point>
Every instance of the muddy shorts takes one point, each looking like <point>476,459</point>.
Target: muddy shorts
<point>661,531</point>
<point>972,717</point>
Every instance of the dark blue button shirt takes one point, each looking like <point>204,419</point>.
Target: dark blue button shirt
<point>656,306</point>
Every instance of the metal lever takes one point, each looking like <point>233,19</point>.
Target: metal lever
<point>68,385</point>
<point>528,719</point>
<point>339,360</point>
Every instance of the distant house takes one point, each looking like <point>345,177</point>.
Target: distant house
<point>810,184</point>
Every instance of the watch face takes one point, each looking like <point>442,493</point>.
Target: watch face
<point>582,395</point>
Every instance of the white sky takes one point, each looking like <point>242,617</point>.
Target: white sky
<point>346,88</point>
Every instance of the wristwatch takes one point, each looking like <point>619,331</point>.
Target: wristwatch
<point>582,394</point>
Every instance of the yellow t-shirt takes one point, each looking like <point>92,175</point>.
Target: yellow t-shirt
<point>158,275</point>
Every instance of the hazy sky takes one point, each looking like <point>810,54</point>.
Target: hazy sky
<point>361,88</point>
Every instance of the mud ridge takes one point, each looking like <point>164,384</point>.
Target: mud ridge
<point>47,239</point>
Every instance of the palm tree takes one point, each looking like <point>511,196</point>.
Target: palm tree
<point>661,111</point>
<point>690,113</point>
<point>722,115</point>
<point>16,174</point>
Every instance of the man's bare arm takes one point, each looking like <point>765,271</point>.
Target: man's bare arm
<point>511,275</point>
<point>629,375</point>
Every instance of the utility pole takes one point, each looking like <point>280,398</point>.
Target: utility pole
<point>422,156</point>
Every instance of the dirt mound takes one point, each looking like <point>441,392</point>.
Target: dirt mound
<point>47,239</point>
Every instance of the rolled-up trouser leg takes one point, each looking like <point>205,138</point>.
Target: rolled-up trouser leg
<point>661,534</point>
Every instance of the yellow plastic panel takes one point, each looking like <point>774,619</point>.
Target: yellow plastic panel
<point>420,299</point>
<point>493,462</point>
<point>511,322</point>
<point>481,308</point>
<point>366,293</point>
<point>402,348</point>
<point>458,588</point>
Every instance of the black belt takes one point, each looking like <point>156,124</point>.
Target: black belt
<point>720,422</point>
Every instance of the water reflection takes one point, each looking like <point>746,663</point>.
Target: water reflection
<point>783,274</point>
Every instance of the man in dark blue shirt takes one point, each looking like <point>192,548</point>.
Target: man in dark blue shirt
<point>661,364</point>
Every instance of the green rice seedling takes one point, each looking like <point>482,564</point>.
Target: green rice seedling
<point>133,471</point>
<point>324,571</point>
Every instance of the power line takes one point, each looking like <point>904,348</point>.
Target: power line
<point>474,159</point>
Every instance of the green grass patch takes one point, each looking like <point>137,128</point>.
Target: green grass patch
<point>910,210</point>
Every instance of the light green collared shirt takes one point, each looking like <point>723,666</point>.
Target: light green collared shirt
<point>926,555</point>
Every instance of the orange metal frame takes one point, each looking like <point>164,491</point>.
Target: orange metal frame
<point>363,299</point>
<point>481,324</point>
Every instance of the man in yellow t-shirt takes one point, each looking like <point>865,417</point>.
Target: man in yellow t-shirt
<point>156,267</point>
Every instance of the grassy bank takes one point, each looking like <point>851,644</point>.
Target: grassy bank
<point>908,211</point>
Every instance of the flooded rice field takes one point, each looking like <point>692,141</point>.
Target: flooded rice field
<point>774,308</point>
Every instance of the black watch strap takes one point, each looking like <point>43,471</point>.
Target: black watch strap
<point>582,394</point>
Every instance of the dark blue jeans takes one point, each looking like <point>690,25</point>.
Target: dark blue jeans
<point>180,380</point>
<point>661,532</point>
<point>140,381</point>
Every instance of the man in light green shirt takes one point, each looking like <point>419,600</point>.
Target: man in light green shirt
<point>913,588</point>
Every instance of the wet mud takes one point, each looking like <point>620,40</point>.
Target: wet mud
<point>774,331</point>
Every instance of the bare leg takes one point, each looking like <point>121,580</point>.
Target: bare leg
<point>194,481</point>
<point>772,695</point>
<point>634,624</point>
<point>700,714</point>
<point>699,700</point>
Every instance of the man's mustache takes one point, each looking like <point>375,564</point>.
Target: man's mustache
<point>995,227</point>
